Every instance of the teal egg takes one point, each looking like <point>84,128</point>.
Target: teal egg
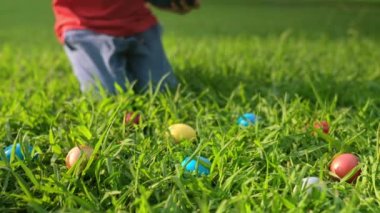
<point>203,167</point>
<point>247,119</point>
<point>18,151</point>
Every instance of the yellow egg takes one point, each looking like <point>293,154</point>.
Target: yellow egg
<point>180,132</point>
<point>74,155</point>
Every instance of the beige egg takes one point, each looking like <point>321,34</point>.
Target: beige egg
<point>180,132</point>
<point>75,153</point>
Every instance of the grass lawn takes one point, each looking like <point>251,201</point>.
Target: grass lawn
<point>291,63</point>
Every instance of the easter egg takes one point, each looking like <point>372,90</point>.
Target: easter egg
<point>343,164</point>
<point>323,125</point>
<point>132,118</point>
<point>309,183</point>
<point>75,153</point>
<point>18,151</point>
<point>246,119</point>
<point>200,165</point>
<point>180,132</point>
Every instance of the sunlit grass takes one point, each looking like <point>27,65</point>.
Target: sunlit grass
<point>289,83</point>
<point>290,65</point>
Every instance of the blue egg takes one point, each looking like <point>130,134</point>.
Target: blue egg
<point>18,152</point>
<point>191,164</point>
<point>246,119</point>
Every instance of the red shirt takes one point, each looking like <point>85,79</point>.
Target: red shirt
<point>112,17</point>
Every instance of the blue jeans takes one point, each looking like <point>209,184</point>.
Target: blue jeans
<point>110,61</point>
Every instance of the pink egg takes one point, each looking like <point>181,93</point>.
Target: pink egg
<point>75,153</point>
<point>343,164</point>
<point>132,118</point>
<point>323,125</point>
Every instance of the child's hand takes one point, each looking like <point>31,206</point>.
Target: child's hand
<point>176,6</point>
<point>184,6</point>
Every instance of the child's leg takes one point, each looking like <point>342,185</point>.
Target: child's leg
<point>97,58</point>
<point>147,61</point>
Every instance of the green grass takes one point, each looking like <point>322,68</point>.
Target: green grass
<point>291,64</point>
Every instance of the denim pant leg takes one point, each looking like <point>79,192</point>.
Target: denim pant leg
<point>97,58</point>
<point>147,61</point>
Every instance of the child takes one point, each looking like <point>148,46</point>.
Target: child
<point>112,41</point>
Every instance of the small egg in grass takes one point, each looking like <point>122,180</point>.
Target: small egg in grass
<point>200,165</point>
<point>180,132</point>
<point>133,118</point>
<point>310,183</point>
<point>322,125</point>
<point>18,151</point>
<point>247,119</point>
<point>75,153</point>
<point>344,164</point>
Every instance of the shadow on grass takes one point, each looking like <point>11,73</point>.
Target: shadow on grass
<point>318,88</point>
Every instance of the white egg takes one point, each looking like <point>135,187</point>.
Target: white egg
<point>309,183</point>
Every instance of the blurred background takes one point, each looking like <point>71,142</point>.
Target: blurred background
<point>31,22</point>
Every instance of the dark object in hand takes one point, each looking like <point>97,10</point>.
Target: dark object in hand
<point>167,3</point>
